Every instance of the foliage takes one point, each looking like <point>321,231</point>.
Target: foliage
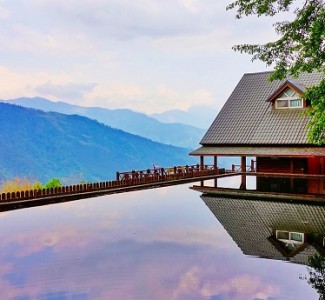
<point>300,48</point>
<point>317,123</point>
<point>53,183</point>
<point>23,184</point>
<point>317,274</point>
<point>20,184</point>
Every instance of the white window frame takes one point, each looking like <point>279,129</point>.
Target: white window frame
<point>290,241</point>
<point>288,99</point>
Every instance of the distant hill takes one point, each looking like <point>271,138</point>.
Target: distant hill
<point>199,116</point>
<point>42,145</point>
<point>127,120</point>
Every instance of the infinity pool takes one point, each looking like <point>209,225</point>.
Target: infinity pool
<point>165,243</point>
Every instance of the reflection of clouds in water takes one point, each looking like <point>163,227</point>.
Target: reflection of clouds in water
<point>241,287</point>
<point>194,282</point>
<point>4,214</point>
<point>142,245</point>
<point>192,236</point>
<point>144,271</point>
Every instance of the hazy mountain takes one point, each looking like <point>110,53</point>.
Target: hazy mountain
<point>137,123</point>
<point>42,145</point>
<point>199,116</point>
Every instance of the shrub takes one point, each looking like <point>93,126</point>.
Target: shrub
<point>53,183</point>
<point>19,184</point>
<point>23,184</point>
<point>37,186</point>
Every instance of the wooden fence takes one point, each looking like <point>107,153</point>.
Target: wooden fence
<point>249,168</point>
<point>124,179</point>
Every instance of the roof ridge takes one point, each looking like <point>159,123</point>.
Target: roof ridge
<point>261,72</point>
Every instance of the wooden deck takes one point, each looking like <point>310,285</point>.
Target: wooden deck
<point>145,179</point>
<point>125,182</point>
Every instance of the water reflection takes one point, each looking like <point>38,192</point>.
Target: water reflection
<point>276,230</point>
<point>154,244</point>
<point>289,231</point>
<point>311,187</point>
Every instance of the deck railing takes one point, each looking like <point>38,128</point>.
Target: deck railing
<point>124,179</point>
<point>249,168</point>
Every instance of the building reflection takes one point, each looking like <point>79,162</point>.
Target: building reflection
<point>271,229</point>
<point>268,186</point>
<point>287,231</point>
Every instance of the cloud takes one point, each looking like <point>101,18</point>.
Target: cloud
<point>4,13</point>
<point>130,19</point>
<point>148,56</point>
<point>215,41</point>
<point>71,91</point>
<point>53,86</point>
<point>147,99</point>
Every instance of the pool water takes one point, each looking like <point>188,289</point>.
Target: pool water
<point>164,243</point>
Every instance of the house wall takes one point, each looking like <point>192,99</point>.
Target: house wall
<point>311,165</point>
<point>282,185</point>
<point>281,165</point>
<point>316,165</point>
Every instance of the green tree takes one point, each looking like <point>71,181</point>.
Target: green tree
<point>300,48</point>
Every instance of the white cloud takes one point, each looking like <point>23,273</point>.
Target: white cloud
<point>4,13</point>
<point>14,84</point>
<point>70,90</point>
<point>146,55</point>
<point>214,42</point>
<point>146,99</point>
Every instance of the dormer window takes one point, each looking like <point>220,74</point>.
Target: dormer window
<point>291,240</point>
<point>288,96</point>
<point>288,99</point>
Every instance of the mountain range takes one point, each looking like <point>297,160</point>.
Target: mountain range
<point>42,145</point>
<point>176,134</point>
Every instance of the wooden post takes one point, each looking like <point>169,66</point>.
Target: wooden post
<point>201,162</point>
<point>215,165</point>
<point>215,162</point>
<point>243,176</point>
<point>252,166</point>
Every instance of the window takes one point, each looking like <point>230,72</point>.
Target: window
<point>291,240</point>
<point>288,99</point>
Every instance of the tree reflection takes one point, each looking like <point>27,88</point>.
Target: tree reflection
<point>316,270</point>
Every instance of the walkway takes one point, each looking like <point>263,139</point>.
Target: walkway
<point>125,181</point>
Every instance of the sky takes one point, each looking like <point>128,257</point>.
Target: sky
<point>149,56</point>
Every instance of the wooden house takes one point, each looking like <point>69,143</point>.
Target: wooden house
<point>266,120</point>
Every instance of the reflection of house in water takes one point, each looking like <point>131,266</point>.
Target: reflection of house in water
<point>263,186</point>
<point>310,185</point>
<point>276,230</point>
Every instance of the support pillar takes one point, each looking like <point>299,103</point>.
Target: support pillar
<point>201,162</point>
<point>215,165</point>
<point>243,170</point>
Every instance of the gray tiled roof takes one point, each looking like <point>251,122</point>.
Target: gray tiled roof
<point>260,151</point>
<point>247,118</point>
